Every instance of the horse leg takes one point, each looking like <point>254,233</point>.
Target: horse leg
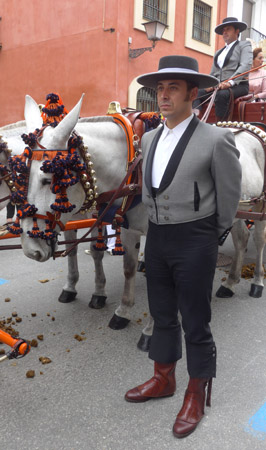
<point>121,317</point>
<point>99,296</point>
<point>131,244</point>
<point>259,239</point>
<point>240,236</point>
<point>69,292</point>
<point>145,338</point>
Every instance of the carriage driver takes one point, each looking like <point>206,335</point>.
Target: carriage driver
<point>233,60</point>
<point>191,189</point>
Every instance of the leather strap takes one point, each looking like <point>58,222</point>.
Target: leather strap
<point>116,195</point>
<point>231,105</point>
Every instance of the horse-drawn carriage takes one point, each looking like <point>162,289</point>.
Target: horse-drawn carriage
<point>57,173</point>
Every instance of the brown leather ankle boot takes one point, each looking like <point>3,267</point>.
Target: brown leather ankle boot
<point>192,410</point>
<point>162,384</point>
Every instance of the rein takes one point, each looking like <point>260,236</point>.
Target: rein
<point>209,107</point>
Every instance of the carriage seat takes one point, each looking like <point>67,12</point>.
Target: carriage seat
<point>244,111</point>
<point>244,98</point>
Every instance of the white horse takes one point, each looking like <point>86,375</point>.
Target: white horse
<point>252,159</point>
<point>106,143</point>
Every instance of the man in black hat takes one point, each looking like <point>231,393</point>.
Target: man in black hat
<point>191,188</point>
<point>232,60</point>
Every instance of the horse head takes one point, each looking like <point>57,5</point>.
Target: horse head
<point>50,190</point>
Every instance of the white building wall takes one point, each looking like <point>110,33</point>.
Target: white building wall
<point>258,20</point>
<point>259,16</point>
<point>235,8</point>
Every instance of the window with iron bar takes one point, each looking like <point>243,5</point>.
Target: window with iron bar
<point>155,10</point>
<point>201,21</point>
<point>147,100</point>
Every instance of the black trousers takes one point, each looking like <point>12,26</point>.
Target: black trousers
<point>222,99</point>
<point>180,264</point>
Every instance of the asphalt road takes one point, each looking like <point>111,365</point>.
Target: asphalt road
<point>76,402</point>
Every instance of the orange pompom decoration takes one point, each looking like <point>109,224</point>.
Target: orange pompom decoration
<point>100,244</point>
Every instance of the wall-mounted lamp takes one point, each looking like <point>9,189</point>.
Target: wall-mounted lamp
<point>154,31</point>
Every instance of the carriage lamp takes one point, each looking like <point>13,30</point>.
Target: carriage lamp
<point>154,31</point>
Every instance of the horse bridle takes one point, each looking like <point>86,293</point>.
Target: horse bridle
<point>71,161</point>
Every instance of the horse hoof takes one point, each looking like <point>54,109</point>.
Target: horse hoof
<point>144,343</point>
<point>224,292</point>
<point>97,301</point>
<point>256,291</point>
<point>67,296</point>
<point>141,266</point>
<point>118,323</point>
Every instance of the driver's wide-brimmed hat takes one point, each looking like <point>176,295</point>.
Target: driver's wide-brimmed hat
<point>230,21</point>
<point>176,67</point>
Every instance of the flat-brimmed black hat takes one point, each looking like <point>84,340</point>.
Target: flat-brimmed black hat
<point>177,67</point>
<point>231,21</point>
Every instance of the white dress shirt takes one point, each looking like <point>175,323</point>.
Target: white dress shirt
<point>222,56</point>
<point>165,147</point>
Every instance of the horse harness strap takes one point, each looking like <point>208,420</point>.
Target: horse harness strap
<point>130,186</point>
<point>133,184</point>
<point>231,104</point>
<point>116,194</point>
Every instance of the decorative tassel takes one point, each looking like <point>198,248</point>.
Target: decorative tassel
<point>100,244</point>
<point>54,110</point>
<point>30,139</point>
<point>62,203</point>
<point>27,153</point>
<point>26,210</point>
<point>73,161</point>
<point>18,197</point>
<point>15,228</point>
<point>35,232</point>
<point>66,180</point>
<point>118,250</point>
<point>151,120</point>
<point>21,180</point>
<point>49,233</point>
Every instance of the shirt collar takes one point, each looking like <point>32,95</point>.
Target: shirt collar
<point>228,46</point>
<point>178,130</point>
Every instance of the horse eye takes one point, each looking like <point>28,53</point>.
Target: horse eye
<point>46,181</point>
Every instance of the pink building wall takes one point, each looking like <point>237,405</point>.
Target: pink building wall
<point>61,46</point>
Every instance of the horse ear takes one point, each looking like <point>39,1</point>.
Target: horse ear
<point>32,114</point>
<point>66,126</point>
